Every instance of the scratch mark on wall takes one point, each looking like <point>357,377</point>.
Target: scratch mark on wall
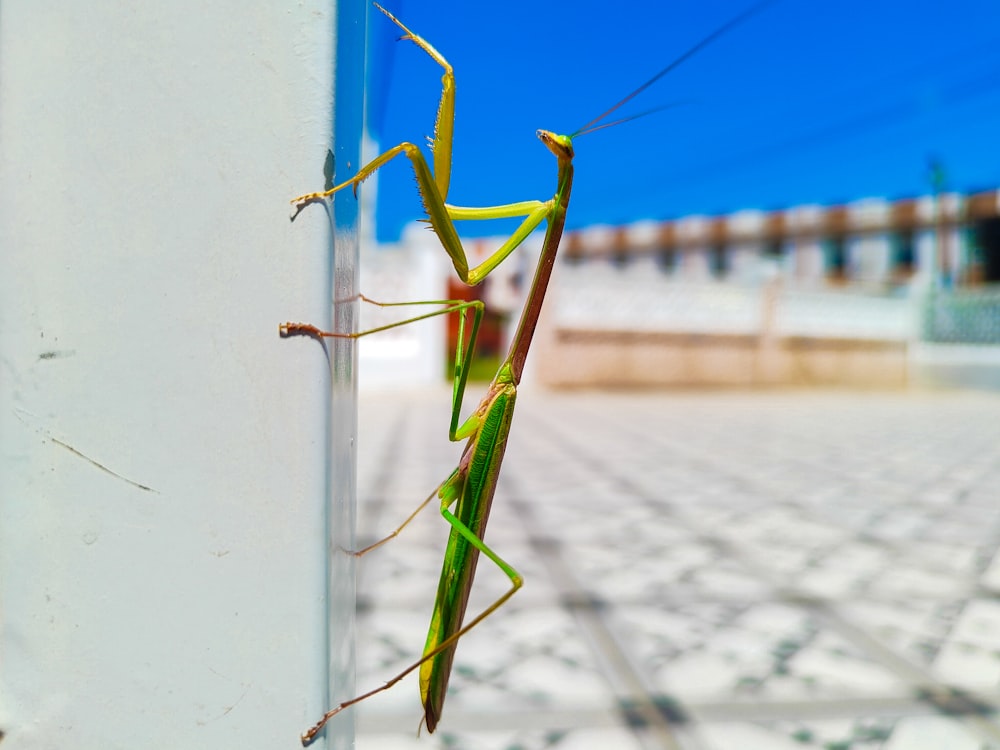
<point>55,354</point>
<point>99,465</point>
<point>21,415</point>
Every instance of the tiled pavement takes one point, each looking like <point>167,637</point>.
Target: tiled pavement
<point>706,571</point>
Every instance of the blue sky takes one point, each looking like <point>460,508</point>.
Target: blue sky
<point>805,102</point>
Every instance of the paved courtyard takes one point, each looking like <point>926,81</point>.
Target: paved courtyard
<point>705,571</point>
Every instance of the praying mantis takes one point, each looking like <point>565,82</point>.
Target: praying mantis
<point>467,494</point>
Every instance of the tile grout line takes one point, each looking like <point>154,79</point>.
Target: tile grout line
<point>936,695</point>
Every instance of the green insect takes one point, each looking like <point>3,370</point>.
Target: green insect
<point>467,494</point>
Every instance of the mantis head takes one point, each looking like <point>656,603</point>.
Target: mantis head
<point>560,145</point>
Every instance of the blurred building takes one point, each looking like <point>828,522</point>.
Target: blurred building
<point>871,293</point>
<point>809,295</point>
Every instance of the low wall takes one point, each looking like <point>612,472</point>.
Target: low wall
<point>645,329</point>
<point>574,357</point>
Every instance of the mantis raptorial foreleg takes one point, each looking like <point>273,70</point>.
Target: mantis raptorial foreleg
<point>433,187</point>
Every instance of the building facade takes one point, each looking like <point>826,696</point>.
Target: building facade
<point>842,295</point>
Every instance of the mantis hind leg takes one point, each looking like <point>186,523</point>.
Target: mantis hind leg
<point>395,532</point>
<point>447,490</point>
<point>435,665</point>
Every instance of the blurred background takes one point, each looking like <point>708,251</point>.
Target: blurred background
<point>752,479</point>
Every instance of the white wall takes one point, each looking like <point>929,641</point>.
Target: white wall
<point>165,470</point>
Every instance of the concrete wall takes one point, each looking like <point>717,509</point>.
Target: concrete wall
<point>175,478</point>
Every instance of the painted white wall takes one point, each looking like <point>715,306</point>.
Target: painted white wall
<point>165,457</point>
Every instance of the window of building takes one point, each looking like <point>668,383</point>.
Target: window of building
<point>835,258</point>
<point>718,261</point>
<point>666,259</point>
